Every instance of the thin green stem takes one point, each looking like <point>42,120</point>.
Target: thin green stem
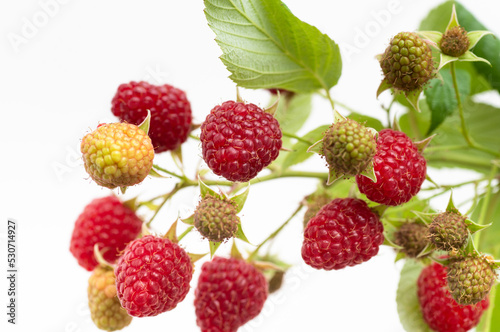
<point>194,137</point>
<point>298,138</point>
<point>168,172</point>
<point>329,97</point>
<point>489,313</point>
<point>451,186</point>
<point>388,111</point>
<point>430,149</point>
<point>186,232</point>
<point>274,234</point>
<point>486,203</point>
<point>465,130</point>
<point>166,197</point>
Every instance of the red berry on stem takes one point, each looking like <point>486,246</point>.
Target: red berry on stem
<point>152,276</point>
<point>170,112</point>
<point>345,232</point>
<point>230,292</point>
<point>399,167</point>
<point>107,223</point>
<point>238,140</point>
<point>439,309</point>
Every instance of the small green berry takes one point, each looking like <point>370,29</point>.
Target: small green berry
<point>216,218</point>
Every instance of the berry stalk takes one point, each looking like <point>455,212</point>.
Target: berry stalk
<point>465,131</point>
<point>274,234</point>
<point>486,203</point>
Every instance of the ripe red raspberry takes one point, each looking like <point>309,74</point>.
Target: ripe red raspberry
<point>238,140</point>
<point>230,292</point>
<point>152,276</point>
<point>170,112</point>
<point>399,167</point>
<point>107,222</point>
<point>440,311</point>
<point>345,232</point>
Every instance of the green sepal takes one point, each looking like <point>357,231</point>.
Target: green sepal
<point>384,85</point>
<point>145,230</point>
<point>369,172</point>
<point>470,247</point>
<point>235,253</point>
<point>337,117</point>
<point>150,205</point>
<point>274,107</point>
<point>266,265</point>
<point>445,59</point>
<point>433,36</point>
<point>240,235</point>
<point>474,227</point>
<point>453,20</point>
<point>99,258</point>
<point>421,145</point>
<point>451,206</point>
<point>316,147</point>
<point>240,199</point>
<point>132,203</point>
<point>177,156</point>
<point>379,209</point>
<point>428,178</point>
<point>171,234</point>
<point>332,176</point>
<point>395,124</point>
<point>399,256</point>
<point>442,261</point>
<point>426,218</point>
<point>471,57</point>
<point>426,251</point>
<point>144,126</point>
<point>390,243</point>
<point>155,174</point>
<point>196,257</point>
<point>412,98</point>
<point>189,220</point>
<point>475,37</point>
<point>123,189</point>
<point>206,190</point>
<point>213,247</point>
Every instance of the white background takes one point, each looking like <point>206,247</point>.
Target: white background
<point>58,84</point>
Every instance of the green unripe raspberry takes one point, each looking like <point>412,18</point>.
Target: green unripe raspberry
<point>348,147</point>
<point>448,231</point>
<point>470,279</point>
<point>455,42</point>
<point>117,155</point>
<point>314,204</point>
<point>216,219</point>
<point>105,309</point>
<point>407,62</point>
<point>413,237</point>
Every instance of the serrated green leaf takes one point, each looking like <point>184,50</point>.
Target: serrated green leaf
<point>489,237</point>
<point>482,122</point>
<point>265,46</point>
<point>441,99</point>
<point>299,153</point>
<point>409,310</point>
<point>488,47</point>
<point>293,112</point>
